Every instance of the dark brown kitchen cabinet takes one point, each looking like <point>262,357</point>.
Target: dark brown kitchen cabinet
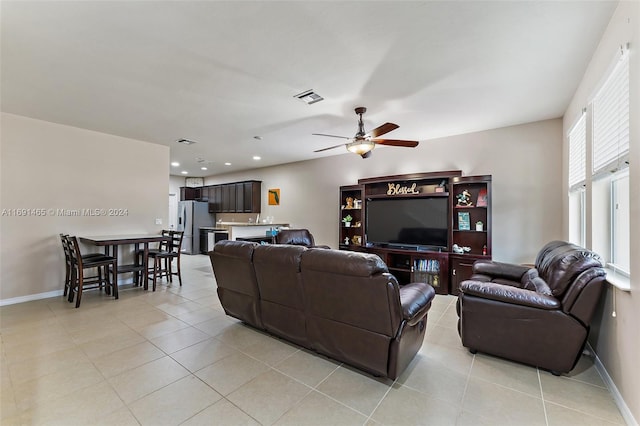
<point>237,197</point>
<point>190,193</point>
<point>215,199</point>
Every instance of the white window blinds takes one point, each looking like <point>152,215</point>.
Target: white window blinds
<point>611,120</point>
<point>577,153</point>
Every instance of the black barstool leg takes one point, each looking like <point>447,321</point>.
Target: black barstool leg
<point>112,272</point>
<point>179,272</point>
<point>80,284</point>
<point>72,285</point>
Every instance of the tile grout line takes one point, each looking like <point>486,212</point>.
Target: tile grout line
<point>544,404</point>
<point>466,385</point>
<point>369,418</point>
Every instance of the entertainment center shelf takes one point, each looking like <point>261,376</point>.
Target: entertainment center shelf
<point>427,227</point>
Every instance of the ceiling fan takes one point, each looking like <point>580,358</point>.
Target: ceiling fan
<point>363,143</point>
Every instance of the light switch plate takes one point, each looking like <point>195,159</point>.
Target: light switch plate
<point>158,221</point>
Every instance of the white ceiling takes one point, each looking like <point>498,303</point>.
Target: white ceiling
<point>221,73</point>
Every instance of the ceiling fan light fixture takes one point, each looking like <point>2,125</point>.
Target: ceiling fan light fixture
<point>361,147</point>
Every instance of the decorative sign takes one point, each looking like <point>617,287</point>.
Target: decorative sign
<point>396,189</point>
<point>464,224</point>
<point>274,197</point>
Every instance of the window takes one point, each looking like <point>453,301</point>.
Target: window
<point>610,169</point>
<point>577,152</point>
<point>577,176</point>
<point>620,246</point>
<point>611,120</point>
<point>577,222</point>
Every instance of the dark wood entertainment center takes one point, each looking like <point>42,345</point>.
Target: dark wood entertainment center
<point>469,204</point>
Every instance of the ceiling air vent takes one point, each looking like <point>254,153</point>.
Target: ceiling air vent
<point>309,97</point>
<point>186,141</point>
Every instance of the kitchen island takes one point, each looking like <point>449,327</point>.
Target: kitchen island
<point>248,229</point>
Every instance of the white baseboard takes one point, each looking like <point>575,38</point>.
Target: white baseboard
<point>617,397</point>
<point>30,297</point>
<point>46,295</point>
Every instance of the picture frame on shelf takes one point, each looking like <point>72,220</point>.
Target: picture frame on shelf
<point>464,221</point>
<point>482,198</point>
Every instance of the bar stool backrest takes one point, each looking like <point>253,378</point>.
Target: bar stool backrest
<point>175,242</point>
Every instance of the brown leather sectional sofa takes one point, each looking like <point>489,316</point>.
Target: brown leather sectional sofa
<point>538,316</point>
<point>342,304</point>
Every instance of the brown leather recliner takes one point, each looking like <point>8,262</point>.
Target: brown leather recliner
<point>343,304</point>
<point>237,285</point>
<point>281,300</point>
<point>538,316</point>
<point>297,237</point>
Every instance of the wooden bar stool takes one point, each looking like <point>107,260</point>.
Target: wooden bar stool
<point>78,282</point>
<point>163,258</point>
<point>64,238</point>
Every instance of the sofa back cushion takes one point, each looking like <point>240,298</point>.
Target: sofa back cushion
<point>559,264</point>
<point>353,306</point>
<point>232,263</point>
<point>298,237</point>
<point>278,273</point>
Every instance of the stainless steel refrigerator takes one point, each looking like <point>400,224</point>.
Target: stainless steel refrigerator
<point>192,215</point>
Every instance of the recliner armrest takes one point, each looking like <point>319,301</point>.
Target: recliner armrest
<point>509,294</point>
<point>509,271</point>
<point>415,299</point>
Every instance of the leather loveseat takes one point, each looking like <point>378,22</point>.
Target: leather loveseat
<point>342,304</point>
<point>538,316</point>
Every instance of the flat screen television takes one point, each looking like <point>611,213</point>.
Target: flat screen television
<point>419,223</point>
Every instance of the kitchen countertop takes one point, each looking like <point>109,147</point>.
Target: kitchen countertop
<point>251,224</point>
<point>211,228</point>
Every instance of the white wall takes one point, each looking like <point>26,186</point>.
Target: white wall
<point>50,166</point>
<point>617,340</point>
<point>525,162</point>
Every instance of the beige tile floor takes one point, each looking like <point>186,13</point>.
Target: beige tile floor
<point>172,357</point>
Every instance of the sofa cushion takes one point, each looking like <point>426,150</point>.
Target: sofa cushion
<point>344,262</point>
<point>232,263</point>
<point>351,288</point>
<point>282,306</point>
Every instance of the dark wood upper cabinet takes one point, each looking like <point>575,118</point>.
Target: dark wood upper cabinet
<point>237,197</point>
<point>190,193</point>
<point>239,188</point>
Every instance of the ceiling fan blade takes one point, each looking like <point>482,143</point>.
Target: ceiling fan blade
<point>396,142</point>
<point>381,130</point>
<point>331,136</point>
<point>331,147</point>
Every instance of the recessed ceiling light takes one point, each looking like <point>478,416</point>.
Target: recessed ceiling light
<point>184,172</point>
<point>203,168</point>
<point>255,157</point>
<point>227,164</point>
<point>175,164</point>
<point>186,141</point>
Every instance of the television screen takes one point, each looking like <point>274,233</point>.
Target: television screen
<point>408,221</point>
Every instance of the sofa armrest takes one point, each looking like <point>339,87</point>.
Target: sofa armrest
<point>415,299</point>
<point>507,271</point>
<point>509,294</point>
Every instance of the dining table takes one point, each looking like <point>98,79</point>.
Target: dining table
<point>111,243</point>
